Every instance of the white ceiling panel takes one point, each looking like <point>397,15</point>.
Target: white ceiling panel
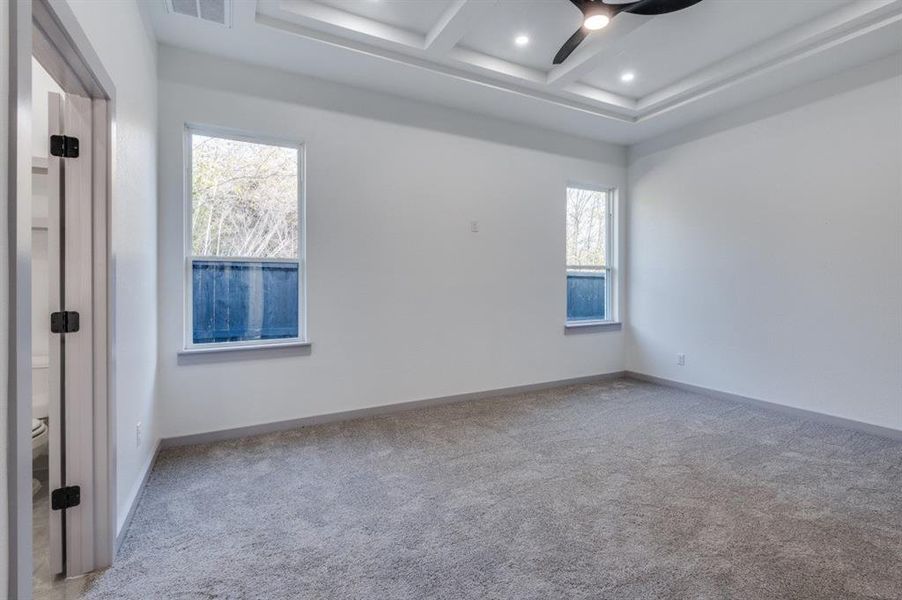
<point>548,23</point>
<point>669,47</point>
<point>418,16</point>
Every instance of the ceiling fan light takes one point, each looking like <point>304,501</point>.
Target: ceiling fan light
<point>596,21</point>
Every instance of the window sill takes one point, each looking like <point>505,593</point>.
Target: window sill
<point>594,325</point>
<point>242,348</point>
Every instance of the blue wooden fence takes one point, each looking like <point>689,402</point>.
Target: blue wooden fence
<point>585,295</point>
<point>244,300</point>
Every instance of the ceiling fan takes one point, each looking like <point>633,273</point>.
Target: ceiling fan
<point>598,13</point>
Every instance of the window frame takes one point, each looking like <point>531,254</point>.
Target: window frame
<point>188,257</point>
<point>611,268</point>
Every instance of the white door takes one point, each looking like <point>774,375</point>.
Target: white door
<point>70,264</point>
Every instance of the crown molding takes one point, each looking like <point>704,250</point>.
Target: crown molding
<point>847,24</point>
<point>436,51</point>
<point>497,83</point>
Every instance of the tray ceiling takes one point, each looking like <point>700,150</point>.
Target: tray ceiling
<point>463,53</point>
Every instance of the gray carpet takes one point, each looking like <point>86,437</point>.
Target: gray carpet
<point>616,490</point>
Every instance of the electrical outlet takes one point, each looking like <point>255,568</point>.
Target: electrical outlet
<point>138,434</point>
<point>474,226</point>
<point>681,360</point>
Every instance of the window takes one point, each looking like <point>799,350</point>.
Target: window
<point>589,270</point>
<point>245,257</point>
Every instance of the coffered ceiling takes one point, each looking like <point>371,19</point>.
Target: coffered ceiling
<point>686,65</point>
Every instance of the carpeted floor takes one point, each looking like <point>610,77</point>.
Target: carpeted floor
<point>617,490</point>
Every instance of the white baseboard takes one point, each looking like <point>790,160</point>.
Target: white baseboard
<point>251,430</point>
<point>135,496</point>
<point>861,426</point>
<point>241,432</point>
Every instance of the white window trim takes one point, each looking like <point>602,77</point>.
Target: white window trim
<point>612,254</point>
<point>188,345</point>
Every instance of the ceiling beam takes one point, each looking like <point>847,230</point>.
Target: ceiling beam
<point>594,50</point>
<point>426,64</point>
<point>312,14</point>
<point>454,24</point>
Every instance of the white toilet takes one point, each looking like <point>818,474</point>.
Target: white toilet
<point>39,435</point>
<point>40,432</point>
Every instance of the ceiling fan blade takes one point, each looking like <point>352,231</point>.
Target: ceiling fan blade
<point>570,45</point>
<point>658,7</point>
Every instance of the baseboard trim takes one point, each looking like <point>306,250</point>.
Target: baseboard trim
<point>888,432</point>
<point>136,497</point>
<point>385,409</point>
<point>388,409</point>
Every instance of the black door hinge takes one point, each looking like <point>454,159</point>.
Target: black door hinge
<point>64,146</point>
<point>65,497</point>
<point>64,322</point>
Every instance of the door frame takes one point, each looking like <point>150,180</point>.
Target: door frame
<point>50,31</point>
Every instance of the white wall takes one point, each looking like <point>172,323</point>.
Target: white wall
<point>128,52</point>
<point>41,85</point>
<point>405,302</point>
<point>771,255</point>
<point>4,298</point>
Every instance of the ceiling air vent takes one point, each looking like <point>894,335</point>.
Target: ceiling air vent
<point>214,11</point>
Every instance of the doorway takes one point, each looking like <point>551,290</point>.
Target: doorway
<point>62,468</point>
<point>46,97</point>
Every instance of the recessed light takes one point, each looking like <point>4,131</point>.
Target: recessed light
<point>521,40</point>
<point>627,76</point>
<point>596,21</point>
